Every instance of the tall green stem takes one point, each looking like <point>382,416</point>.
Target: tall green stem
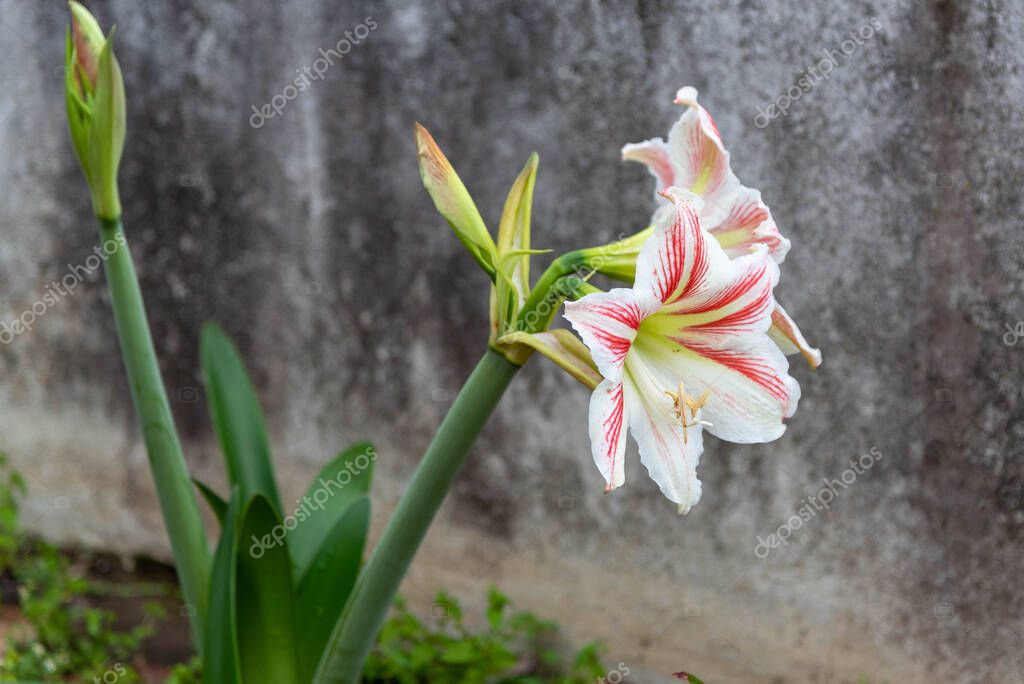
<point>173,486</point>
<point>371,598</point>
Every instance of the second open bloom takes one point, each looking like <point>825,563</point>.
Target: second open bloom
<point>686,348</point>
<point>695,158</point>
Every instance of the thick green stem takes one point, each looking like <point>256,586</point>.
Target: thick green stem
<point>371,598</point>
<point>173,485</point>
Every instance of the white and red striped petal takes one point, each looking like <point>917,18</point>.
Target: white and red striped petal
<point>654,154</point>
<point>609,419</point>
<point>785,333</point>
<point>700,159</point>
<point>733,316</point>
<point>608,322</point>
<point>747,224</point>
<point>680,260</point>
<point>750,391</point>
<point>671,460</point>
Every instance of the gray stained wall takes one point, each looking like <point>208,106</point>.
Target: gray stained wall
<point>312,241</point>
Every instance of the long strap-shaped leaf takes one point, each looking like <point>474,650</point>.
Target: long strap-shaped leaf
<point>340,483</point>
<point>218,505</point>
<point>237,418</point>
<point>322,591</point>
<point>220,650</point>
<point>250,634</point>
<point>326,545</point>
<point>267,642</point>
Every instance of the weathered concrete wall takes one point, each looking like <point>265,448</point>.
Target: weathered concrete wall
<point>312,241</point>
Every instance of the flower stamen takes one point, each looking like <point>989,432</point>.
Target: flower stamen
<point>681,402</point>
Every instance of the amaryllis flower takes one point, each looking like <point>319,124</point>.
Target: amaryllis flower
<point>686,348</point>
<point>695,158</point>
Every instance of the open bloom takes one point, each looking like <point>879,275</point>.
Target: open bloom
<point>685,348</point>
<point>695,158</point>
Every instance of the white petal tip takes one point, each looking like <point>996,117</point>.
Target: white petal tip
<point>687,96</point>
<point>676,194</point>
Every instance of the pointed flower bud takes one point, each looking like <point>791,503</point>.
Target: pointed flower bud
<point>454,202</point>
<point>512,281</point>
<point>88,42</point>
<point>94,94</point>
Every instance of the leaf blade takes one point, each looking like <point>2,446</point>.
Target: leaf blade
<point>217,504</point>
<point>220,650</point>
<point>322,591</point>
<point>237,417</point>
<point>341,482</point>
<point>266,618</point>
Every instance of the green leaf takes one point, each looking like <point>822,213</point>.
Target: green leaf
<point>322,590</point>
<point>496,604</point>
<point>237,418</point>
<point>218,505</point>
<point>220,651</point>
<point>267,643</point>
<point>340,483</point>
<point>460,653</point>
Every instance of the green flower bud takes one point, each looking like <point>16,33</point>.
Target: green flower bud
<point>94,94</point>
<point>454,203</point>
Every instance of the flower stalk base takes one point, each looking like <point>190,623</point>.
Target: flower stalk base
<point>173,485</point>
<point>375,590</point>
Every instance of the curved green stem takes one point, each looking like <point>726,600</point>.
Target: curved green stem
<point>173,486</point>
<point>568,263</point>
<point>373,593</point>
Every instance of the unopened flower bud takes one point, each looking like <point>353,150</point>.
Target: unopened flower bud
<point>94,94</point>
